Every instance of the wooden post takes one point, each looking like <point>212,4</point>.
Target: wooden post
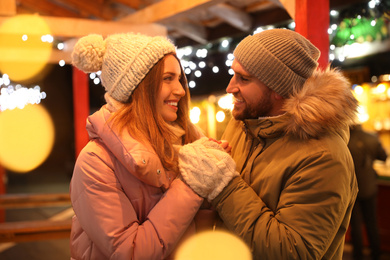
<point>80,108</point>
<point>312,21</point>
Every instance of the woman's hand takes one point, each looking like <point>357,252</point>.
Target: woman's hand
<point>206,167</point>
<point>224,144</point>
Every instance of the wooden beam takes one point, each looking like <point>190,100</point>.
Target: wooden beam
<point>134,4</point>
<point>233,16</point>
<point>261,6</point>
<point>23,231</point>
<point>7,7</point>
<point>289,6</point>
<point>47,7</point>
<point>73,27</point>
<point>13,201</point>
<point>68,27</point>
<point>166,9</point>
<point>193,31</point>
<point>90,8</point>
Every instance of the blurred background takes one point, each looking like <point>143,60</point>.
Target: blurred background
<point>44,101</point>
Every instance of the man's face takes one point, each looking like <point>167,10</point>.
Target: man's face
<point>252,99</point>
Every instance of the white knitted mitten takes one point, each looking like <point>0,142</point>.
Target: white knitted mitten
<point>206,167</point>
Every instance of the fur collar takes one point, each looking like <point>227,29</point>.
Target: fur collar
<point>324,104</point>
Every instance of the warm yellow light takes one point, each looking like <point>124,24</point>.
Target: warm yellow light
<point>23,53</point>
<point>359,90</point>
<point>26,138</point>
<point>381,88</point>
<point>220,116</point>
<point>195,115</point>
<point>226,102</point>
<point>363,116</point>
<point>211,245</point>
<point>378,125</point>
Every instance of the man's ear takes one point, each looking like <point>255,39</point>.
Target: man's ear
<point>276,96</point>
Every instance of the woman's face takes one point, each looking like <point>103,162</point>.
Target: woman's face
<point>171,91</point>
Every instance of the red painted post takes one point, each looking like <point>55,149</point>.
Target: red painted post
<point>80,108</point>
<point>312,21</point>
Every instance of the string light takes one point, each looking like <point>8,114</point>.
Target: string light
<point>225,43</point>
<point>192,84</point>
<point>19,96</point>
<point>60,46</point>
<point>96,81</point>
<point>47,38</point>
<point>192,65</point>
<point>334,13</point>
<point>259,29</point>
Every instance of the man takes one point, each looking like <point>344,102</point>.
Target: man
<point>297,187</point>
<point>365,148</point>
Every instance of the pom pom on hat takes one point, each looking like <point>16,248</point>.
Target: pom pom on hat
<point>282,59</point>
<point>124,59</point>
<point>88,53</point>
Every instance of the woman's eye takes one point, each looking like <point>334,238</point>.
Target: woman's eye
<point>243,79</point>
<point>167,78</point>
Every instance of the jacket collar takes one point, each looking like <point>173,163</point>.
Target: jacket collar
<point>325,105</point>
<point>265,127</point>
<point>138,159</point>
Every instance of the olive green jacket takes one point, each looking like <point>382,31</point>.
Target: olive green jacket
<point>297,186</point>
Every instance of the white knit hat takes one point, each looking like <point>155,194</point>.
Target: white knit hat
<point>124,59</point>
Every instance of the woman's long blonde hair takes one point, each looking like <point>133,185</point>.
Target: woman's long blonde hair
<point>139,116</point>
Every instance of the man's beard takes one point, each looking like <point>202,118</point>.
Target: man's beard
<point>254,111</point>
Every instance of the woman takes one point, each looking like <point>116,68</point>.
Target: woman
<point>127,199</point>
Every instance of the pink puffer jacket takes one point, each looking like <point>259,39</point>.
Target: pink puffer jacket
<point>126,205</point>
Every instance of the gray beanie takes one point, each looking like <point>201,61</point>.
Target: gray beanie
<point>124,59</point>
<point>281,59</point>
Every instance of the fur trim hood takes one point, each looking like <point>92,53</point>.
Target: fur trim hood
<point>324,104</point>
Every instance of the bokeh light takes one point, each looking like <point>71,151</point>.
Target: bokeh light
<point>220,116</point>
<point>23,52</point>
<point>26,138</point>
<point>195,115</point>
<point>211,245</point>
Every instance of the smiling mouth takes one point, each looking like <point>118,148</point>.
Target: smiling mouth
<point>236,100</point>
<point>171,103</point>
